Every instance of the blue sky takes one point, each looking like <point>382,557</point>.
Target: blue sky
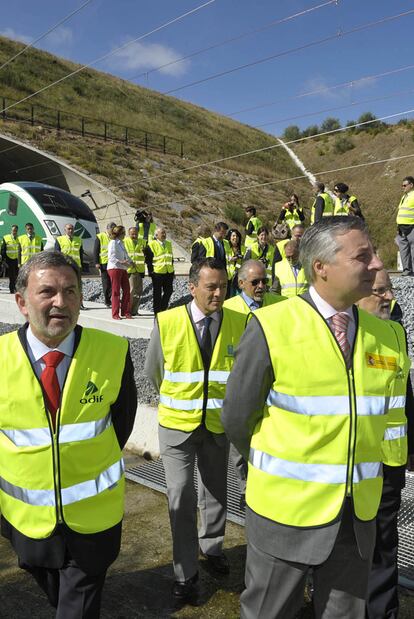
<point>273,87</point>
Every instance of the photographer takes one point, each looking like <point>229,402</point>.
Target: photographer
<point>291,212</point>
<point>263,251</point>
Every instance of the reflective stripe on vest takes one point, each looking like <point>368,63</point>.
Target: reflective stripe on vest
<point>72,494</point>
<point>71,247</point>
<point>188,405</point>
<point>290,283</point>
<point>395,432</point>
<point>317,473</point>
<point>405,213</point>
<point>292,219</point>
<point>327,405</point>
<point>67,433</point>
<point>12,246</point>
<point>135,250</point>
<point>195,377</point>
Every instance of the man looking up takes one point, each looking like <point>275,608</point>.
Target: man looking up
<point>398,445</point>
<point>188,360</point>
<point>252,281</point>
<point>313,440</point>
<point>66,411</point>
<point>10,255</point>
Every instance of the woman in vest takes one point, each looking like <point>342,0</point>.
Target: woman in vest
<point>118,264</point>
<point>234,259</point>
<point>291,212</point>
<point>344,203</point>
<point>263,251</point>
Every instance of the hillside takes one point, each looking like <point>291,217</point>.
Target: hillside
<point>206,136</point>
<point>378,187</point>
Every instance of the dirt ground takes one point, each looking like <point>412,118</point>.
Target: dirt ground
<point>139,582</point>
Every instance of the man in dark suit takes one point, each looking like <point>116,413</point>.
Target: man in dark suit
<point>65,416</point>
<point>313,439</point>
<point>214,246</point>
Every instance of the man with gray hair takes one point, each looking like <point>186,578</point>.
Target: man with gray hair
<point>67,407</point>
<point>159,259</point>
<point>252,281</point>
<point>305,404</point>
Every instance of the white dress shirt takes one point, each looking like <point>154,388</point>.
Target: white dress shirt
<point>36,349</point>
<point>116,253</point>
<point>327,311</point>
<point>198,317</point>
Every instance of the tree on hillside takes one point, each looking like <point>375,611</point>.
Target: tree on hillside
<point>330,124</point>
<point>371,122</point>
<point>292,133</point>
<point>311,130</point>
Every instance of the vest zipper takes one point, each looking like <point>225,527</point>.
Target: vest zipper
<point>352,431</point>
<point>55,445</point>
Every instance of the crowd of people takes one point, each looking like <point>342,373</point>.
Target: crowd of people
<point>290,358</point>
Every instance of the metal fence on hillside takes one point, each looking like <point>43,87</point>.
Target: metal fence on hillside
<point>84,125</point>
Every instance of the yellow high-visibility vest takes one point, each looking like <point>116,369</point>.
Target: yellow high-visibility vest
<point>103,249</point>
<point>238,304</point>
<point>71,247</point>
<point>329,206</point>
<point>163,256</point>
<point>29,247</point>
<point>319,439</point>
<point>151,232</point>
<point>292,218</point>
<point>135,250</point>
<point>75,474</point>
<point>405,215</point>
<point>251,238</point>
<point>290,284</point>
<point>257,253</point>
<point>187,387</point>
<point>342,206</point>
<point>12,246</point>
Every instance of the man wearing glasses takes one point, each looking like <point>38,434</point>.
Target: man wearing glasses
<point>252,280</point>
<point>382,600</point>
<point>405,223</point>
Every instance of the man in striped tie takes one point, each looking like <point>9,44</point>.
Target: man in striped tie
<point>305,404</point>
<point>67,407</point>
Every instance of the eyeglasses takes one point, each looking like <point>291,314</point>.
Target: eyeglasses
<point>406,184</point>
<point>382,290</point>
<point>257,281</point>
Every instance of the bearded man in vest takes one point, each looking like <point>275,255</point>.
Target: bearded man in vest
<point>100,254</point>
<point>307,404</point>
<point>10,255</point>
<point>189,358</point>
<point>398,450</point>
<point>67,409</point>
<point>405,223</point>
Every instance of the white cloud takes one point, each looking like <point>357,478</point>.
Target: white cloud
<point>321,88</point>
<point>10,33</point>
<point>147,56</point>
<point>60,37</point>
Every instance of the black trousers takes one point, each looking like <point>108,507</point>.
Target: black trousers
<point>162,284</point>
<point>382,600</point>
<point>74,594</point>
<point>12,272</point>
<point>106,284</point>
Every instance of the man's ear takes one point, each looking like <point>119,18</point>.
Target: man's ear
<point>319,268</point>
<point>21,304</point>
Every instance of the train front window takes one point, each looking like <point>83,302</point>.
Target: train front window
<point>56,202</point>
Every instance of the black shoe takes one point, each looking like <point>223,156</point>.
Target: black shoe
<point>108,305</point>
<point>407,274</point>
<point>217,563</point>
<point>184,590</point>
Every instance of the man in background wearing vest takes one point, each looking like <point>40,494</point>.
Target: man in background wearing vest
<point>290,278</point>
<point>159,259</point>
<point>323,205</point>
<point>405,223</point>
<point>305,404</point>
<point>215,246</point>
<point>345,204</point>
<point>135,250</point>
<point>29,244</point>
<point>10,255</point>
<point>66,411</point>
<point>70,245</point>
<point>252,226</point>
<point>189,358</point>
<point>100,253</point>
<point>398,447</point>
<point>252,281</point>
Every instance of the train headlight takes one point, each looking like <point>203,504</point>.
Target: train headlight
<point>52,227</point>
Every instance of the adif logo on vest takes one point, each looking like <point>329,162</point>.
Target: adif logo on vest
<point>90,390</point>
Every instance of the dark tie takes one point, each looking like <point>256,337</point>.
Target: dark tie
<point>340,323</point>
<point>50,382</point>
<point>205,343</point>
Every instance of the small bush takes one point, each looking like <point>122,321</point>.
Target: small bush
<point>233,212</point>
<point>140,195</point>
<point>342,144</point>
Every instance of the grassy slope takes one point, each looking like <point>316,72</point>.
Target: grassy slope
<point>206,136</point>
<point>378,187</point>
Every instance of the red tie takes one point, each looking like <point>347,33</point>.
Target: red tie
<point>50,382</point>
<point>340,329</point>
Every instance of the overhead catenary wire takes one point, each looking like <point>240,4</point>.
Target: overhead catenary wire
<point>271,24</point>
<point>323,89</point>
<point>45,34</point>
<point>112,53</point>
<point>337,35</point>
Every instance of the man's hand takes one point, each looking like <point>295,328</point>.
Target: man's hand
<point>98,266</point>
